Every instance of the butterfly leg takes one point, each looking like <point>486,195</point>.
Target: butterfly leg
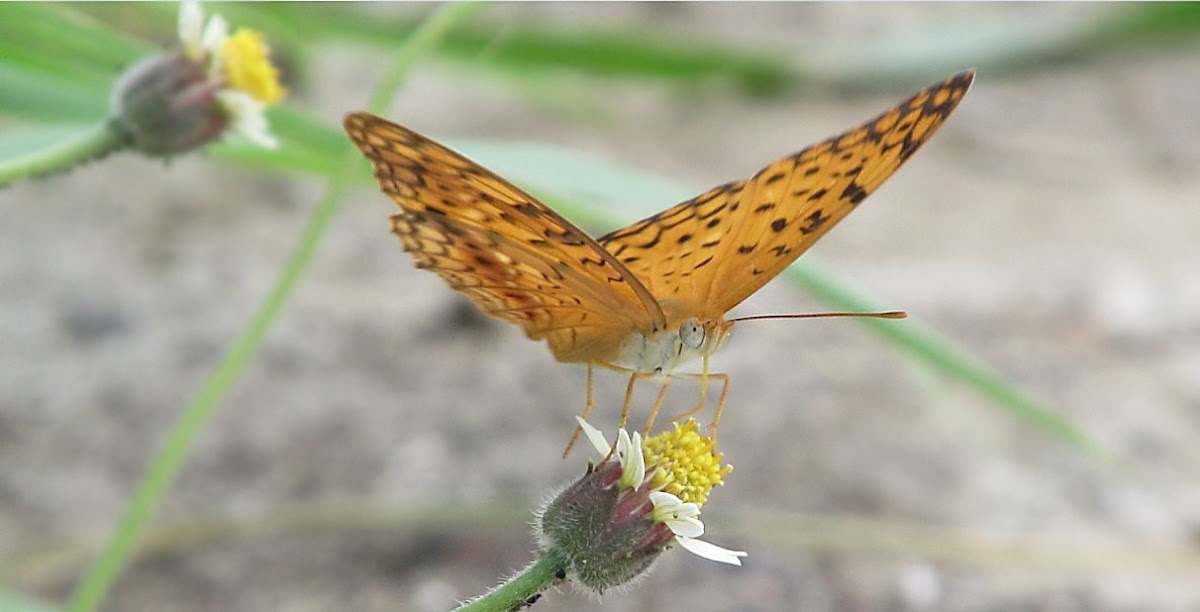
<point>658,402</point>
<point>703,378</point>
<point>724,378</point>
<point>712,428</point>
<point>587,410</point>
<point>633,378</point>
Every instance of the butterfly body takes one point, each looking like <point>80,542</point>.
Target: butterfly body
<point>660,353</point>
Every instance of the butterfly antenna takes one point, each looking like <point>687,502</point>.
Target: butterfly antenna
<point>890,314</point>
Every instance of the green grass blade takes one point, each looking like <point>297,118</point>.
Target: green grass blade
<point>30,94</point>
<point>65,39</point>
<point>933,349</point>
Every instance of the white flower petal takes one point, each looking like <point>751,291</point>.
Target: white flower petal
<point>687,510</point>
<point>215,34</point>
<point>595,436</point>
<point>191,22</point>
<point>633,463</point>
<point>686,527</point>
<point>667,504</point>
<point>662,498</point>
<point>679,517</point>
<point>712,552</point>
<point>248,117</point>
<point>638,472</point>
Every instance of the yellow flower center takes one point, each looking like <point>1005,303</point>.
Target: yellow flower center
<point>246,63</point>
<point>685,461</point>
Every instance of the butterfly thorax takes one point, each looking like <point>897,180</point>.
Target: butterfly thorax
<point>663,351</point>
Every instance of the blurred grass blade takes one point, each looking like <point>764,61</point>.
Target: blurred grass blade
<point>39,152</point>
<point>65,41</point>
<point>1151,22</point>
<point>625,55</point>
<point>921,341</point>
<point>504,46</point>
<point>1002,44</point>
<point>11,601</point>
<point>30,94</point>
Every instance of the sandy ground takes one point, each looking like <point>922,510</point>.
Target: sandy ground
<point>1050,228</point>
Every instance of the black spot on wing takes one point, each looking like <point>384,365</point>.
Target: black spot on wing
<point>813,222</point>
<point>854,193</point>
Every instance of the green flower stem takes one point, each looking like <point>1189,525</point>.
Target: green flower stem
<point>935,350</point>
<point>520,590</point>
<point>98,141</point>
<point>162,471</point>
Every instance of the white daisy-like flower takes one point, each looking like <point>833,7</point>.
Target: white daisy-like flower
<point>609,526</point>
<point>681,517</point>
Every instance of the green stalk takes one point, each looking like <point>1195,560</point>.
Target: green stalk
<point>100,140</point>
<point>162,471</point>
<point>521,590</point>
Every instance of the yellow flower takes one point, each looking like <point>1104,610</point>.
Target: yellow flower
<point>246,63</point>
<point>688,464</point>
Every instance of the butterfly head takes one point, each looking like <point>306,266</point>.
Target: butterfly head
<point>703,336</point>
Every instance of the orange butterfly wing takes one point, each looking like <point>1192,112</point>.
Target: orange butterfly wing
<point>704,256</point>
<point>516,258</point>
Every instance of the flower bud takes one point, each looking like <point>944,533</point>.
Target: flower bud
<point>604,533</point>
<point>166,105</point>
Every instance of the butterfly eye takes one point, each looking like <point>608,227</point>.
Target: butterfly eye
<point>691,333</point>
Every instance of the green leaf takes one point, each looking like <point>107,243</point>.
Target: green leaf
<point>19,141</point>
<point>39,96</point>
<point>65,41</point>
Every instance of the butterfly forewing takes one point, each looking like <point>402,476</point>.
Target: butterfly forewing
<point>704,256</point>
<point>516,258</point>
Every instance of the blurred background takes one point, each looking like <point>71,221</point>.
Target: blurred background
<point>384,448</point>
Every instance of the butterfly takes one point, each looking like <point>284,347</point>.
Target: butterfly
<point>651,297</point>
